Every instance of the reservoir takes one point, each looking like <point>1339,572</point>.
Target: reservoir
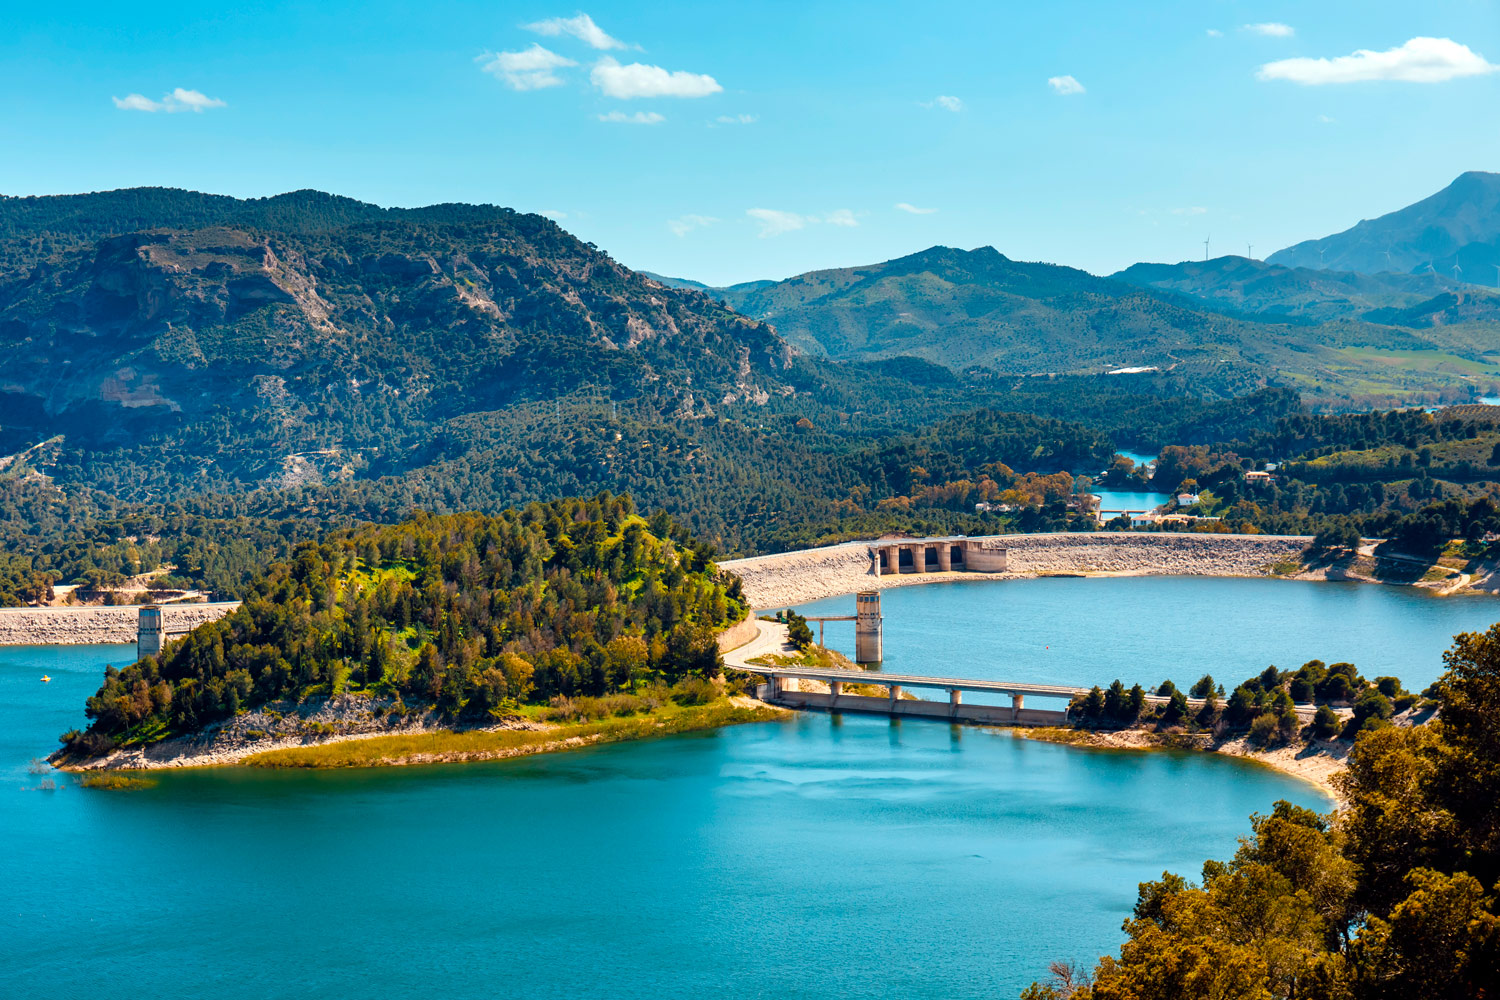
<point>1146,629</point>
<point>824,856</point>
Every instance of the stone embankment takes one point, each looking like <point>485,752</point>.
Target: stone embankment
<point>74,626</point>
<point>796,577</point>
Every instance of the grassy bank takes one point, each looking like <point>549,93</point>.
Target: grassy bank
<point>447,746</point>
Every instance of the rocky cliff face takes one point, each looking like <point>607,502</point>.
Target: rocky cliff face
<point>351,336</point>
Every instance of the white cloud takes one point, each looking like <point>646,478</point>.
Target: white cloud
<point>914,210</point>
<point>1420,60</point>
<point>1214,33</point>
<point>529,69</point>
<point>641,80</point>
<point>1271,29</point>
<point>685,224</point>
<point>1191,210</point>
<point>1326,120</point>
<point>1065,85</point>
<point>581,27</point>
<point>736,119</point>
<point>639,118</point>
<point>178,100</point>
<point>774,222</point>
<point>945,101</point>
<point>553,214</point>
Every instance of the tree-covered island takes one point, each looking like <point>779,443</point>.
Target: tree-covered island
<point>572,610</point>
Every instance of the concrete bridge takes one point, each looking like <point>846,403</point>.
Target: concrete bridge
<point>783,687</point>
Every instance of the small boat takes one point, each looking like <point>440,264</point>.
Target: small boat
<point>46,679</point>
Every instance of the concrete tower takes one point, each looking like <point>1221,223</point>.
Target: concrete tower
<point>150,634</point>
<point>867,627</point>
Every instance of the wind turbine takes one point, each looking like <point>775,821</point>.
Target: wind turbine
<point>1321,252</point>
<point>1387,260</point>
<point>1248,248</point>
<point>1457,272</point>
<point>1205,249</point>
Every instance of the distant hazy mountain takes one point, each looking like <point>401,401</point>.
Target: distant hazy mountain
<point>685,283</point>
<point>1460,225</point>
<point>1258,288</point>
<point>978,307</point>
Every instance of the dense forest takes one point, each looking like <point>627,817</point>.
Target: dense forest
<point>464,613</point>
<point>196,384</point>
<point>1390,898</point>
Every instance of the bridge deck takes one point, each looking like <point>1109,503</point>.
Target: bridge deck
<point>772,639</point>
<point>918,680</point>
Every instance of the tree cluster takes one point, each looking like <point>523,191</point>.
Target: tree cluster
<point>459,612</point>
<point>1393,897</point>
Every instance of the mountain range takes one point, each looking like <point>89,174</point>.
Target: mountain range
<point>315,353</point>
<point>1455,233</point>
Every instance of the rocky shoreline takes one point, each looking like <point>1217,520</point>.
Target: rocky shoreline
<point>280,726</point>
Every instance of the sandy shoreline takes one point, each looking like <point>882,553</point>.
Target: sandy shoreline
<point>1315,761</point>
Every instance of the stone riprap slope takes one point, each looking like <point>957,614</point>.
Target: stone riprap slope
<point>796,577</point>
<point>73,626</point>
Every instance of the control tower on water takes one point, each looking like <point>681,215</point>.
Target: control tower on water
<point>868,631</point>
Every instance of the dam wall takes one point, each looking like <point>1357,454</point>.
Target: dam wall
<point>796,577</point>
<point>76,626</point>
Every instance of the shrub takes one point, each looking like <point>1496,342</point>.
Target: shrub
<point>798,631</point>
<point>1204,688</point>
<point>1406,701</point>
<point>694,691</point>
<point>1326,723</point>
<point>1264,727</point>
<point>1388,686</point>
<point>1288,724</point>
<point>1301,689</point>
<point>1241,706</point>
<point>1371,704</point>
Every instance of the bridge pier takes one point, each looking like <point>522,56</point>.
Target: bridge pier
<point>835,688</point>
<point>955,700</point>
<point>945,558</point>
<point>895,695</point>
<point>1017,702</point>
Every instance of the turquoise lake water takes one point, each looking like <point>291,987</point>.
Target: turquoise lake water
<point>1066,630</point>
<point>1118,500</point>
<point>821,857</point>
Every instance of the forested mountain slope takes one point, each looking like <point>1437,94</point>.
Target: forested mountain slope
<point>231,355</point>
<point>979,308</point>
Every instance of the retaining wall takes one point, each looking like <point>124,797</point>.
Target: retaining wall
<point>77,626</point>
<point>796,577</point>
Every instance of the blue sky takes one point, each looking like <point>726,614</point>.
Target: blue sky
<point>731,141</point>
